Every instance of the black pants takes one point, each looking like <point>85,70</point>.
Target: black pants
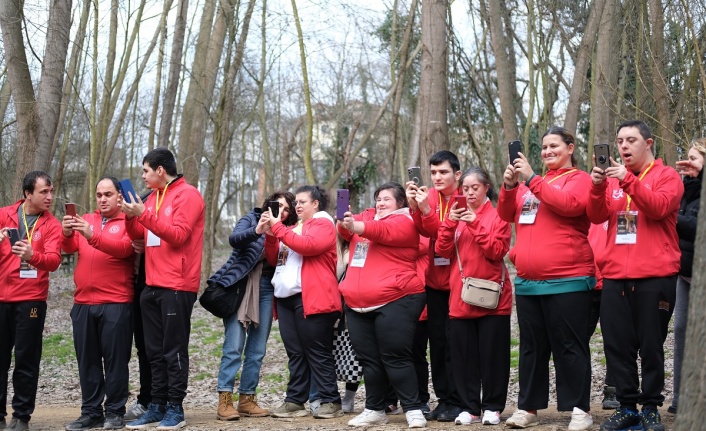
<point>593,317</point>
<point>554,325</point>
<point>480,358</point>
<point>309,345</point>
<point>439,355</point>
<point>21,327</point>
<point>102,339</point>
<point>382,340</point>
<point>145,395</point>
<point>421,366</point>
<point>634,317</point>
<point>166,316</point>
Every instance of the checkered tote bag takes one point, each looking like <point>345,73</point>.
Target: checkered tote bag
<point>348,369</point>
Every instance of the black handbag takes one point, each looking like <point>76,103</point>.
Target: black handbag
<point>222,301</point>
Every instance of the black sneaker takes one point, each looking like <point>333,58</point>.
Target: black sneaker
<point>86,422</point>
<point>450,414</point>
<point>610,402</point>
<point>113,421</point>
<point>18,425</point>
<point>432,415</point>
<point>672,409</point>
<point>622,419</point>
<point>651,420</point>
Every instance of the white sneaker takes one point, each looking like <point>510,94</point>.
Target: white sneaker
<point>348,401</point>
<point>314,406</point>
<point>522,419</point>
<point>580,420</point>
<point>369,417</point>
<point>491,418</point>
<point>415,419</point>
<point>465,418</point>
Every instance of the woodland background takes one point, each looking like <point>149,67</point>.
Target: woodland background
<point>254,96</point>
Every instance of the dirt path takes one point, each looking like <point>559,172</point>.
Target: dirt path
<point>56,417</point>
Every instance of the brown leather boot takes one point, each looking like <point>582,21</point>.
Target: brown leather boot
<point>226,411</point>
<point>247,406</point>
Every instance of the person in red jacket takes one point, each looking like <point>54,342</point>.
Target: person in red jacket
<point>474,238</point>
<point>429,208</point>
<point>101,315</point>
<point>384,298</point>
<point>171,222</point>
<point>308,302</point>
<point>640,200</point>
<point>555,275</point>
<point>24,285</point>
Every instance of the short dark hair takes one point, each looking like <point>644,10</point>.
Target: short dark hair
<point>316,193</point>
<point>639,125</point>
<point>398,192</point>
<point>112,180</point>
<point>565,136</point>
<point>30,180</point>
<point>292,218</point>
<point>445,156</point>
<point>161,156</point>
<point>482,176</point>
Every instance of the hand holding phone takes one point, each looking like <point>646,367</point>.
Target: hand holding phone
<point>415,175</point>
<point>70,209</point>
<point>602,153</point>
<point>342,203</point>
<point>14,235</point>
<point>514,149</point>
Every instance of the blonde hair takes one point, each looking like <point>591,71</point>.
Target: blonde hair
<point>699,145</point>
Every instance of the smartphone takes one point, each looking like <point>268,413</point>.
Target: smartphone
<point>415,175</point>
<point>125,187</point>
<point>602,153</point>
<point>14,235</point>
<point>70,209</point>
<point>460,201</point>
<point>514,149</point>
<point>274,208</point>
<point>342,202</point>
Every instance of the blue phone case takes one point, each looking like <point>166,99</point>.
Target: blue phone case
<point>125,188</point>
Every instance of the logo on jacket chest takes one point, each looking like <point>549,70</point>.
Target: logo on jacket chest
<point>114,229</point>
<point>618,194</point>
<point>168,211</point>
<point>37,236</point>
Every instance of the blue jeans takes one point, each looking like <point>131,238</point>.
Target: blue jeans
<point>252,343</point>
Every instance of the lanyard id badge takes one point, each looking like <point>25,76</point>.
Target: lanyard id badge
<point>153,240</point>
<point>360,254</point>
<point>27,270</point>
<point>626,229</point>
<point>529,210</point>
<point>441,261</point>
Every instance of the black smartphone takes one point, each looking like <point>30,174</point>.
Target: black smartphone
<point>126,188</point>
<point>461,201</point>
<point>14,235</point>
<point>70,209</point>
<point>514,149</point>
<point>602,153</point>
<point>415,175</point>
<point>274,208</point>
<point>342,202</point>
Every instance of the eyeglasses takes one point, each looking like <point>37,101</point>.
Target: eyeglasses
<point>301,203</point>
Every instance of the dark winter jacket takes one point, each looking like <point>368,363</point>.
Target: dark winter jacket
<point>686,221</point>
<point>248,248</point>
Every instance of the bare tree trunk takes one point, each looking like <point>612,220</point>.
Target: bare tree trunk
<point>583,56</point>
<point>404,54</point>
<point>308,162</point>
<point>152,131</point>
<point>692,395</point>
<point>660,91</point>
<point>503,68</point>
<point>170,92</point>
<point>262,116</point>
<point>34,132</point>
<point>604,76</point>
<point>433,90</point>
